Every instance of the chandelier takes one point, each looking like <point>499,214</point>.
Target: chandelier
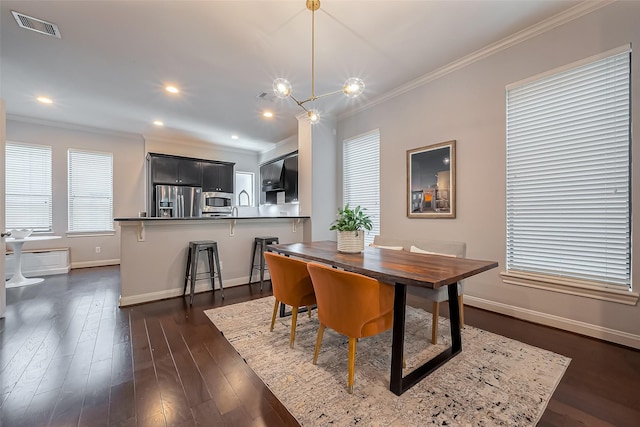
<point>282,87</point>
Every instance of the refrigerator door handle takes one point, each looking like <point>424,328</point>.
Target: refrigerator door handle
<point>181,211</point>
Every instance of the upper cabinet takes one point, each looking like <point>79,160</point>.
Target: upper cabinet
<point>278,178</point>
<point>165,169</point>
<point>291,179</point>
<point>217,177</point>
<point>175,170</point>
<point>211,175</point>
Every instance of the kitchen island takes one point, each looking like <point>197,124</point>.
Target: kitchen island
<point>153,251</point>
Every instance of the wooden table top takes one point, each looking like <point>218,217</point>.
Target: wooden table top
<point>424,270</point>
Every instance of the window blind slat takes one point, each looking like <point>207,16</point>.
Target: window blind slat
<point>90,191</point>
<point>568,173</point>
<point>361,177</point>
<point>28,194</point>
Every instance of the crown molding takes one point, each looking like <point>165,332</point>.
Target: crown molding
<point>198,143</point>
<point>72,126</point>
<point>120,134</point>
<point>541,27</point>
<point>281,143</point>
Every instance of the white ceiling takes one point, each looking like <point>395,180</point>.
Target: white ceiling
<point>110,66</point>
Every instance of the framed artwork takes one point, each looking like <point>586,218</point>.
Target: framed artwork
<point>431,181</point>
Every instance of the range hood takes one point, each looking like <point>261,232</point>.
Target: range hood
<point>272,175</point>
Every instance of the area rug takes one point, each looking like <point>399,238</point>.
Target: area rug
<point>494,381</point>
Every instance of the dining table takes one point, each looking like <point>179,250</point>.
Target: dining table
<point>401,269</point>
<point>18,278</point>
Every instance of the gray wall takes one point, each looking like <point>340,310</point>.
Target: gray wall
<point>286,146</point>
<point>468,105</point>
<point>129,177</point>
<point>317,177</point>
<point>128,184</point>
<point>3,246</point>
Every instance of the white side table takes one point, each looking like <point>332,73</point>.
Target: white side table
<point>18,278</point>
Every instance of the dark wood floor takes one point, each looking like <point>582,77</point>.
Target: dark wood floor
<point>70,357</point>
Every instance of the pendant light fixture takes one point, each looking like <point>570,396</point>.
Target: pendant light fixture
<point>282,87</point>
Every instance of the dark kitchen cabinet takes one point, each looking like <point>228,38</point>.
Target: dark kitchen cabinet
<point>279,176</point>
<point>217,177</point>
<point>175,170</point>
<point>291,179</point>
<point>165,169</point>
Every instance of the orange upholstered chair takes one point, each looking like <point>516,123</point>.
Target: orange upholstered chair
<point>291,285</point>
<point>351,304</point>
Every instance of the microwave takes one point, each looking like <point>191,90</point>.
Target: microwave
<point>216,202</point>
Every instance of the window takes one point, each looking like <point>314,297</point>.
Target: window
<point>361,177</point>
<point>28,186</point>
<point>244,188</point>
<point>90,191</point>
<point>568,173</point>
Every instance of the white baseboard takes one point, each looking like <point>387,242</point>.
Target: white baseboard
<point>99,263</point>
<point>204,286</point>
<point>588,329</point>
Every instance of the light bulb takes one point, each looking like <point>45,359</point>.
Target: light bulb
<point>353,87</point>
<point>44,100</point>
<point>281,88</point>
<point>314,116</point>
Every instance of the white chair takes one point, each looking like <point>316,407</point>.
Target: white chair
<point>458,249</point>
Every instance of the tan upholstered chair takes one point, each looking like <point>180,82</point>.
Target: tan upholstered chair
<point>291,285</point>
<point>438,247</point>
<point>351,304</point>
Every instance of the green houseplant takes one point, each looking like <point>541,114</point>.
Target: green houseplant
<point>350,224</point>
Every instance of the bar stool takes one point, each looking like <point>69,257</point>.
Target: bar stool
<point>191,272</point>
<point>260,244</point>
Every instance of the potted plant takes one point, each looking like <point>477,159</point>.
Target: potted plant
<point>350,224</point>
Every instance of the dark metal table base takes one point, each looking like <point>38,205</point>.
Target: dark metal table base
<point>398,383</point>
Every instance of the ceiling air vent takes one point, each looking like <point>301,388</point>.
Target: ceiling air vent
<point>265,96</point>
<point>37,25</point>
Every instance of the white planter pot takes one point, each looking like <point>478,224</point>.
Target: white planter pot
<point>349,243</point>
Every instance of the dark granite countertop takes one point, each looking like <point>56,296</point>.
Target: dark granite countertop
<point>215,218</point>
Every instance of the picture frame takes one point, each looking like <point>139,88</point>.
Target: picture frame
<point>431,181</point>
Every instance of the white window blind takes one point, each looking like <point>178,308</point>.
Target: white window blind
<point>28,186</point>
<point>568,173</point>
<point>361,177</point>
<point>90,191</point>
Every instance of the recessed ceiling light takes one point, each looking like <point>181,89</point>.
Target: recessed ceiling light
<point>172,89</point>
<point>158,123</point>
<point>234,137</point>
<point>267,114</point>
<point>44,100</point>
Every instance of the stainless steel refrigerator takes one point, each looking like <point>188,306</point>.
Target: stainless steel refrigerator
<point>175,201</point>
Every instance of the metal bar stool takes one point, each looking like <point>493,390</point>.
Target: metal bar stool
<point>191,272</point>
<point>259,246</point>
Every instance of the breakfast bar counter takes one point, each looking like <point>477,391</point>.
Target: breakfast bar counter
<point>153,251</point>
<point>210,218</point>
